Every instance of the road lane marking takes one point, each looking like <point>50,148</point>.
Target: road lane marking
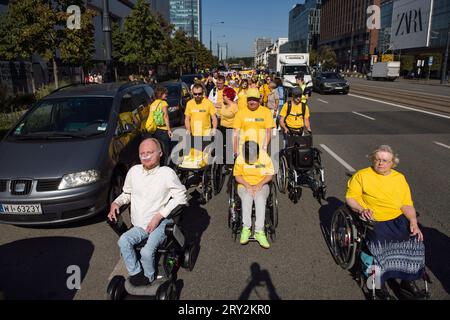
<point>402,107</point>
<point>362,115</point>
<point>441,144</point>
<point>339,159</point>
<point>323,101</point>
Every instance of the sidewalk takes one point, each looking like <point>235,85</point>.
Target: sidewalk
<point>431,82</point>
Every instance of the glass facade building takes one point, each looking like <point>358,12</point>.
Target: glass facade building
<point>182,12</point>
<point>304,26</point>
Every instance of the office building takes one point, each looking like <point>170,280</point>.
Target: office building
<point>304,26</point>
<point>187,16</point>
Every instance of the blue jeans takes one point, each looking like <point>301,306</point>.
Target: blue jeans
<point>133,237</point>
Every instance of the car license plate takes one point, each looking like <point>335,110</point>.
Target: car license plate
<point>339,88</point>
<point>24,209</point>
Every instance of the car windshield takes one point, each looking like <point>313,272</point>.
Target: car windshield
<point>66,117</point>
<point>174,92</point>
<point>291,70</point>
<point>331,76</point>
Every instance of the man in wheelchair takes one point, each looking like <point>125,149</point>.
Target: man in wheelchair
<point>253,171</point>
<point>381,194</point>
<point>154,192</point>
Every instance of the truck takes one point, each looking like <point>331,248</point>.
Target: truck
<point>384,71</point>
<point>289,64</point>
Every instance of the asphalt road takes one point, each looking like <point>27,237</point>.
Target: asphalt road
<point>299,264</point>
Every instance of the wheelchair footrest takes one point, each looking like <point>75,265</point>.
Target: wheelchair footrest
<point>150,290</point>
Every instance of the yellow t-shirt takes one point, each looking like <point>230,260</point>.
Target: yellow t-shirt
<point>219,103</point>
<point>158,103</point>
<point>265,91</point>
<point>200,116</point>
<point>384,195</point>
<point>242,100</point>
<point>295,120</point>
<point>256,172</point>
<point>253,124</point>
<point>228,114</point>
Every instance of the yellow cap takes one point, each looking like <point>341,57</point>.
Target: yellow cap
<point>253,93</point>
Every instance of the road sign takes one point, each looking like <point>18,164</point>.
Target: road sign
<point>430,61</point>
<point>387,58</point>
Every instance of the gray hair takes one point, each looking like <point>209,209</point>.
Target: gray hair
<point>385,148</point>
<point>156,141</point>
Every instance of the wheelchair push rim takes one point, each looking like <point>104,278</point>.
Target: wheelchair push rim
<point>282,175</point>
<point>343,238</point>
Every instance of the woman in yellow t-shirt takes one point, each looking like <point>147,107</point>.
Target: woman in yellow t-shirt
<point>253,171</point>
<point>242,94</point>
<point>163,131</point>
<point>382,194</point>
<point>228,111</point>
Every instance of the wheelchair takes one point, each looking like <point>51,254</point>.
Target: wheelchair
<point>348,247</point>
<point>172,254</point>
<point>301,166</point>
<point>203,173</point>
<point>235,211</point>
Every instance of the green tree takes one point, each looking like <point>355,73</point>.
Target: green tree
<point>181,52</point>
<point>327,57</point>
<point>407,63</point>
<point>143,37</point>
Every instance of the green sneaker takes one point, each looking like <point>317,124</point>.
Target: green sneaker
<point>260,236</point>
<point>245,235</point>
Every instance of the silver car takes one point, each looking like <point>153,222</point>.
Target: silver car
<point>67,157</point>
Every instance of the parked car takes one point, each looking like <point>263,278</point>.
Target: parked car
<point>67,157</point>
<point>330,82</point>
<point>178,97</point>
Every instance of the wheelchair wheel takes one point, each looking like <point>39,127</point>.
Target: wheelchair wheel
<point>282,175</point>
<point>167,291</point>
<point>233,209</point>
<point>344,238</point>
<point>116,288</point>
<point>206,187</point>
<point>218,178</point>
<point>273,207</point>
<point>188,257</point>
<point>295,194</point>
<point>170,263</point>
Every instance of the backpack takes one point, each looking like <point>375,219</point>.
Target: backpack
<point>155,119</point>
<point>290,107</point>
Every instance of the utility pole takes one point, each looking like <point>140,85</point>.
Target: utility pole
<point>444,65</point>
<point>109,76</point>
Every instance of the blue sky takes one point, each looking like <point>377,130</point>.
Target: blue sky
<point>245,20</point>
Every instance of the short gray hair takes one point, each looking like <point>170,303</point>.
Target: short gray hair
<point>385,148</point>
<point>156,141</point>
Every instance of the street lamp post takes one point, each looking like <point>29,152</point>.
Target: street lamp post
<point>109,77</point>
<point>444,65</point>
<point>210,33</point>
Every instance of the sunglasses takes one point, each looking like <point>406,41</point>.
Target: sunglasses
<point>197,94</point>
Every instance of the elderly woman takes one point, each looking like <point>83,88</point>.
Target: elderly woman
<point>382,194</point>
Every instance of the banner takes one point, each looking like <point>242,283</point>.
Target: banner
<point>411,24</point>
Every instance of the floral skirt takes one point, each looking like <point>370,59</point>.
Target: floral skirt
<point>396,254</point>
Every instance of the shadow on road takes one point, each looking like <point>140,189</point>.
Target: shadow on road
<point>259,279</point>
<point>37,268</point>
<point>195,221</point>
<point>437,255</point>
<point>325,216</point>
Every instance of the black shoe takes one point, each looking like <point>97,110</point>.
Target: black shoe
<point>411,291</point>
<point>383,293</point>
<point>139,280</point>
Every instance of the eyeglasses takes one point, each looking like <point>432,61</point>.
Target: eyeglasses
<point>197,94</point>
<point>382,161</point>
